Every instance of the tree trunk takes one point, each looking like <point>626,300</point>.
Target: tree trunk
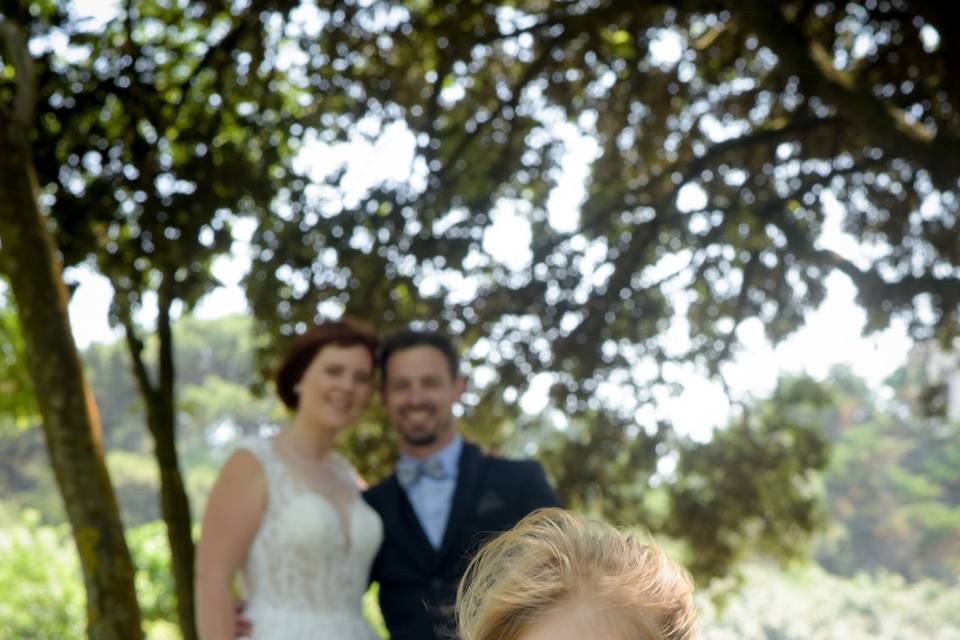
<point>159,399</point>
<point>70,420</point>
<point>176,513</point>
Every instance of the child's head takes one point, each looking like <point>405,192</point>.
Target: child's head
<point>557,575</point>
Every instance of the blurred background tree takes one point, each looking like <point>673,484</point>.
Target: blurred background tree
<point>717,141</point>
<point>147,145</point>
<point>905,518</point>
<point>32,267</point>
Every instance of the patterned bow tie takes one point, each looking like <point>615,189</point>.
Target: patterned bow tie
<point>409,471</point>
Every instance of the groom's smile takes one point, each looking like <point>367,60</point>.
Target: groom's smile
<point>418,412</point>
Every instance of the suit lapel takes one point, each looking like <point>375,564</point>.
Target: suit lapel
<point>464,498</point>
<point>409,534</point>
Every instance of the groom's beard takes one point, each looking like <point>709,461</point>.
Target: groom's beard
<point>420,434</point>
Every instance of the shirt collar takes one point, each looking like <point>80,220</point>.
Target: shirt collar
<point>449,456</point>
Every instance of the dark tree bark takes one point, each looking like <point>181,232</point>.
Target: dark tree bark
<point>70,420</point>
<point>159,399</point>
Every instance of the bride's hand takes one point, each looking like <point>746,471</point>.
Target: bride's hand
<point>242,627</point>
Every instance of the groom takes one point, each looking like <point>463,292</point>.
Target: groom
<point>445,496</point>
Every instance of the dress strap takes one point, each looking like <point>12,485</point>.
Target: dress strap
<point>263,450</point>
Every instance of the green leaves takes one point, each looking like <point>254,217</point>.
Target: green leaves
<point>39,599</point>
<point>807,602</point>
<point>891,484</point>
<point>754,487</point>
<point>18,409</point>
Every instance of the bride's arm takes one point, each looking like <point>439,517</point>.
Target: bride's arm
<point>234,510</point>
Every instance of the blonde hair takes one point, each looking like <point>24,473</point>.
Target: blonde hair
<point>553,558</point>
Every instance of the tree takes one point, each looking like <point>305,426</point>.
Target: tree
<point>755,487</point>
<point>723,136</point>
<point>765,110</point>
<point>70,421</point>
<point>151,139</point>
<point>891,491</point>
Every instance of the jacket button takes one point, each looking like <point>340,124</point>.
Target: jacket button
<point>436,583</point>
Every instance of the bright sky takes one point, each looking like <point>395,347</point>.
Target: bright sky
<point>832,334</point>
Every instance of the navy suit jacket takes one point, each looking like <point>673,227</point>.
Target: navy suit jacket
<point>418,583</point>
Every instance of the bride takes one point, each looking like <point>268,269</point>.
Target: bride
<point>286,511</point>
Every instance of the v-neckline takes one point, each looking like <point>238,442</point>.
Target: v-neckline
<point>344,516</point>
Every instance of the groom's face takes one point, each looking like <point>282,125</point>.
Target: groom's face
<point>419,392</point>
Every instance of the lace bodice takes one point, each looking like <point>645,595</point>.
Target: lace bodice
<point>305,575</point>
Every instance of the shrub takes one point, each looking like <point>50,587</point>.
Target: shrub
<point>42,600</point>
<point>807,603</point>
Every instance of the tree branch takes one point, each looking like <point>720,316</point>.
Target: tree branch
<point>755,137</point>
<point>882,122</point>
<point>134,344</point>
<point>875,293</point>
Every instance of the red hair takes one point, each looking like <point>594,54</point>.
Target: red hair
<point>346,332</point>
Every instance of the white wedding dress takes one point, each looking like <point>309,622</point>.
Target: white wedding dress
<point>304,577</point>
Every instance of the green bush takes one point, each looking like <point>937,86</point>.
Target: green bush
<point>46,600</point>
<point>806,603</point>
<point>155,587</point>
<point>41,593</point>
